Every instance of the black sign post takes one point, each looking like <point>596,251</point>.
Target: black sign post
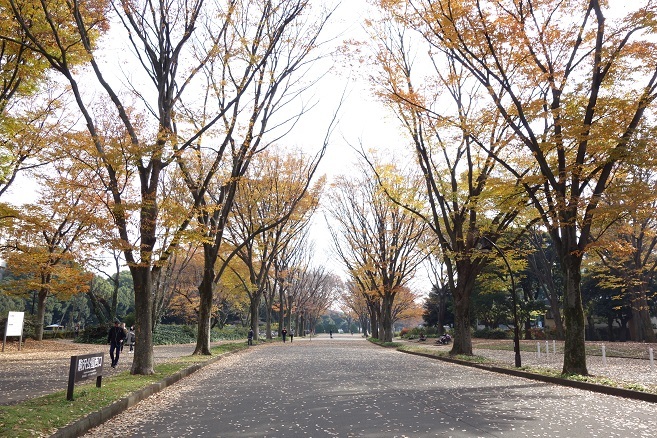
<point>85,367</point>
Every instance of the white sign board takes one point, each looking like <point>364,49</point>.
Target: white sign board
<point>15,324</point>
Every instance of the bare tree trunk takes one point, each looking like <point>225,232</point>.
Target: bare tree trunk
<point>142,362</point>
<point>591,323</point>
<point>610,328</point>
<point>289,312</point>
<point>374,321</point>
<point>462,343</point>
<point>465,280</point>
<point>205,290</point>
<point>41,313</point>
<point>574,347</point>
<point>641,316</point>
<point>268,323</point>
<point>555,307</point>
<point>281,310</point>
<point>442,309</point>
<point>386,317</point>
<point>254,306</point>
<point>100,309</point>
<point>115,289</point>
<point>363,325</point>
<point>527,296</point>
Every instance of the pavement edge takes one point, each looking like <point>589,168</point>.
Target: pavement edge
<point>83,425</point>
<point>609,390</point>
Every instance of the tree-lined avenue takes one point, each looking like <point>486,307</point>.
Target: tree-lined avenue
<point>347,387</point>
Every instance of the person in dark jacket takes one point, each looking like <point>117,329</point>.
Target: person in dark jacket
<point>115,338</point>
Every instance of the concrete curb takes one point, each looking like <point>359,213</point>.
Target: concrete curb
<point>83,425</point>
<point>609,390</point>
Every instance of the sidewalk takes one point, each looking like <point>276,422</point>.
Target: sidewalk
<point>629,371</point>
<point>37,371</point>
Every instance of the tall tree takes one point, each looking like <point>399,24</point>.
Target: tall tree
<point>273,204</point>
<point>627,249</point>
<point>352,301</point>
<point>139,130</point>
<point>543,264</point>
<point>269,48</point>
<point>29,101</point>
<point>52,239</point>
<point>379,242</point>
<point>318,291</point>
<point>454,140</point>
<point>573,83</point>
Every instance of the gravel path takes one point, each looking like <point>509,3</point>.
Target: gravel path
<point>324,388</point>
<point>631,371</point>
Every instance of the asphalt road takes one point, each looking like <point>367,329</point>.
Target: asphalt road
<point>347,387</point>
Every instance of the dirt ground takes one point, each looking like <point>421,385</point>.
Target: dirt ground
<point>42,367</point>
<point>31,349</point>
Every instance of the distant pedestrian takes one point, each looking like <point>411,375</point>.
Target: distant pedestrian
<point>125,330</point>
<point>291,334</point>
<point>131,338</point>
<point>331,333</point>
<point>249,337</point>
<point>115,338</point>
<point>284,333</point>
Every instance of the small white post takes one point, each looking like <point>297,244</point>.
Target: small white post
<point>604,356</point>
<point>652,360</point>
<point>547,348</point>
<point>554,346</point>
<point>538,347</point>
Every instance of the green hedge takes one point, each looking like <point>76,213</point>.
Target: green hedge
<point>488,333</point>
<point>167,334</point>
<point>414,333</point>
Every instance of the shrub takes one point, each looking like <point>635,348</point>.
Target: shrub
<point>174,334</point>
<point>96,334</point>
<point>166,334</point>
<point>414,333</point>
<point>488,333</point>
<point>229,333</point>
<point>537,333</point>
<point>550,333</point>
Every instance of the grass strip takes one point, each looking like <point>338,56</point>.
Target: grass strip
<point>613,350</point>
<point>42,416</point>
<point>598,380</point>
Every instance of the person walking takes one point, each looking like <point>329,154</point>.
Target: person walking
<point>131,338</point>
<point>115,338</point>
<point>249,337</point>
<point>284,333</point>
<point>291,334</point>
<point>125,330</point>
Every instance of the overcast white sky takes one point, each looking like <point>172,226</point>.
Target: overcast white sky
<point>362,120</point>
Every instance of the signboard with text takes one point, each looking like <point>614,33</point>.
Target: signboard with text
<point>84,367</point>
<point>14,327</point>
<point>15,324</point>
